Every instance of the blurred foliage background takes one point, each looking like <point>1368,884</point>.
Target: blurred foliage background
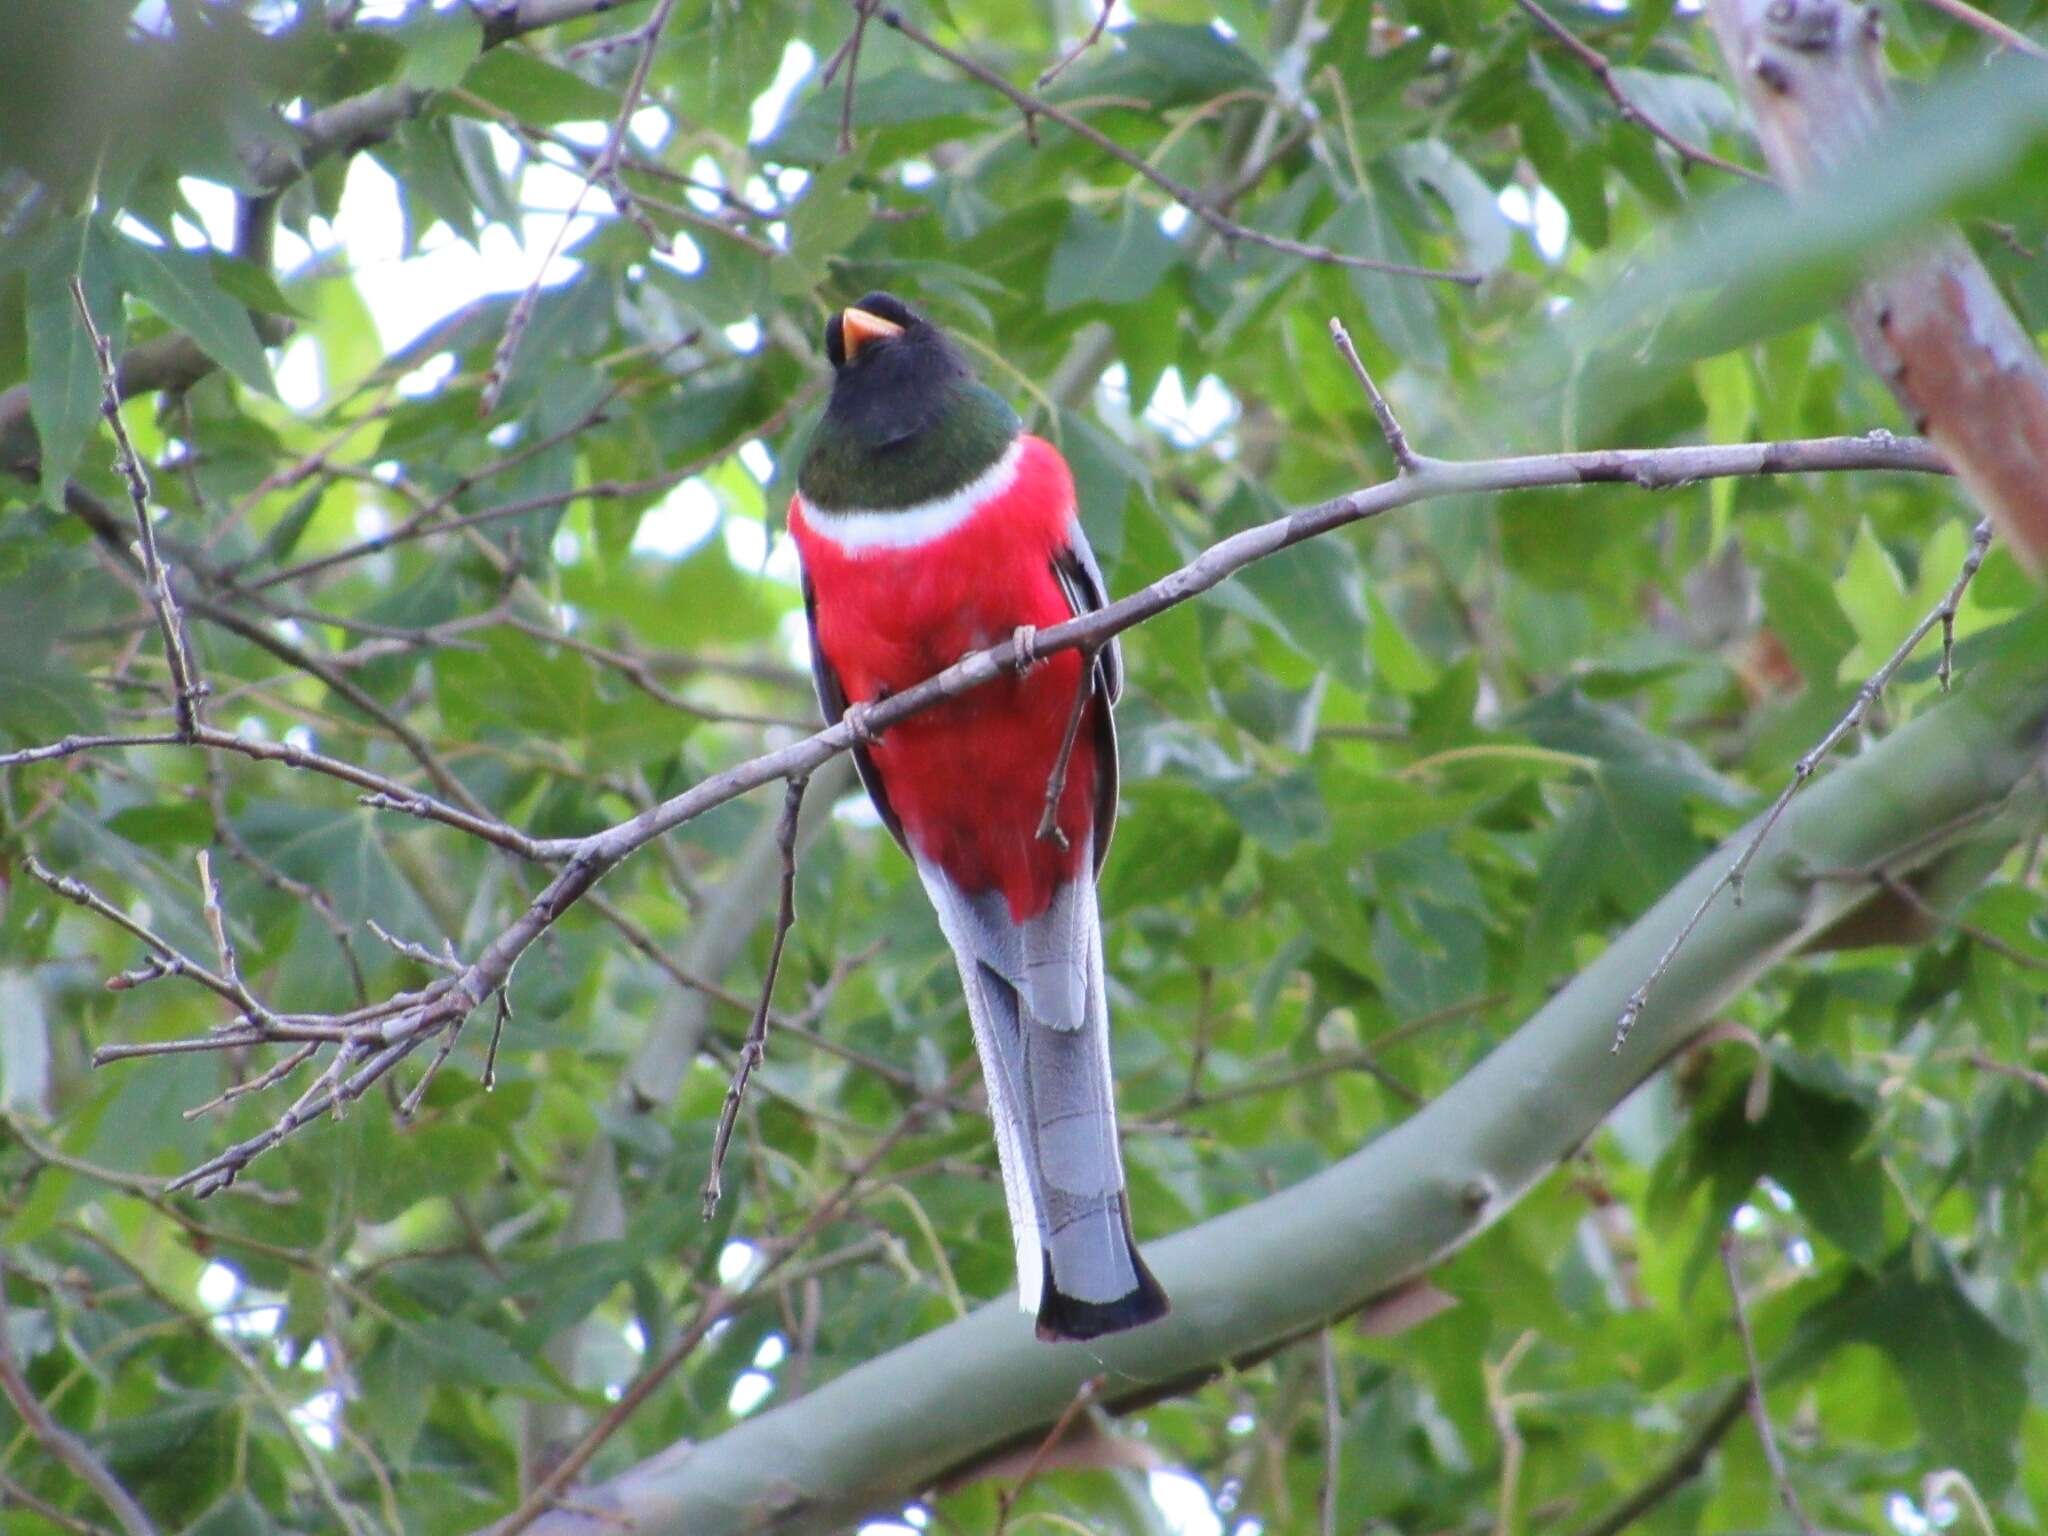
<point>1383,794</point>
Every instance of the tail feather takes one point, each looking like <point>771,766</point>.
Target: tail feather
<point>1037,996</point>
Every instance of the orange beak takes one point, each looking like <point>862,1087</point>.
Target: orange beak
<point>857,328</point>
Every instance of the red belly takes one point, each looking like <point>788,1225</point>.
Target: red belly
<point>967,778</point>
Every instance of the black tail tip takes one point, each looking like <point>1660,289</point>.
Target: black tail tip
<point>1061,1316</point>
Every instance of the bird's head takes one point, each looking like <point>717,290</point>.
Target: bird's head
<point>907,418</point>
<point>890,364</point>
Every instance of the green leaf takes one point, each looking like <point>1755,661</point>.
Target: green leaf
<point>1104,472</point>
<point>1314,594</point>
<point>1102,263</point>
<point>1401,309</point>
<point>1965,1378</point>
<point>535,91</point>
<point>1724,384</point>
<point>440,46</point>
<point>1164,65</point>
<point>181,287</point>
<point>63,373</point>
<point>1873,596</point>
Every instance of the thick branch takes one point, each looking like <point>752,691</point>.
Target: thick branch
<point>1280,1268</point>
<point>1935,326</point>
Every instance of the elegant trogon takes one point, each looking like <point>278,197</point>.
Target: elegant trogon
<point>930,524</point>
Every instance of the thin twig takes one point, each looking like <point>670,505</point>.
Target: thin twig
<point>1034,107</point>
<point>1731,879</point>
<point>272,1075</point>
<point>849,54</point>
<point>1991,27</point>
<point>1333,1434</point>
<point>603,172</point>
<point>1630,109</point>
<point>383,791</point>
<point>59,1441</point>
<point>1684,1465</point>
<point>12,1494</point>
<point>187,687</point>
<point>716,1305</point>
<point>754,1048</point>
<point>1757,1410</point>
<point>1059,65</point>
<point>378,1037</point>
<point>167,959</point>
<point>2033,1078</point>
<point>1006,1501</point>
<point>1406,459</point>
<point>1049,829</point>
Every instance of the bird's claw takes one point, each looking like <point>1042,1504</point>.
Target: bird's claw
<point>1024,646</point>
<point>858,724</point>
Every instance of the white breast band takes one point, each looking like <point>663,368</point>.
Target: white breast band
<point>907,527</point>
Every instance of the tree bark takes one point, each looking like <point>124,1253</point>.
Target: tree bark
<point>1934,326</point>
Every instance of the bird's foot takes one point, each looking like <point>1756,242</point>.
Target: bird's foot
<point>859,720</point>
<point>1024,644</point>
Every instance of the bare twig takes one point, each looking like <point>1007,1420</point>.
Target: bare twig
<point>272,1075</point>
<point>59,1441</point>
<point>756,1043</point>
<point>422,524</point>
<point>1034,107</point>
<point>12,1494</point>
<point>382,790</point>
<point>1333,1434</point>
<point>1006,1501</point>
<point>604,171</point>
<point>1094,35</point>
<point>716,1305</point>
<point>2032,1077</point>
<point>1683,1466</point>
<point>1903,891</point>
<point>377,1038</point>
<point>1757,1410</point>
<point>1056,781</point>
<point>1991,27</point>
<point>167,959</point>
<point>187,687</point>
<point>1406,459</point>
<point>1630,109</point>
<point>849,55</point>
<point>1731,880</point>
<point>1501,1404</point>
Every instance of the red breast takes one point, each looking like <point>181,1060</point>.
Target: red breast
<point>967,778</point>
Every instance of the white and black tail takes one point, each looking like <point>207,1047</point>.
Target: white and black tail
<point>1036,995</point>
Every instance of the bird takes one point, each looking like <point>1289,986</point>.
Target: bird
<point>929,524</point>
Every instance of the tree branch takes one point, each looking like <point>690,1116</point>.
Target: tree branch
<point>1035,107</point>
<point>383,1035</point>
<point>887,1429</point>
<point>1684,1465</point>
<point>1944,614</point>
<point>1755,1395</point>
<point>1630,109</point>
<point>1934,326</point>
<point>62,1445</point>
